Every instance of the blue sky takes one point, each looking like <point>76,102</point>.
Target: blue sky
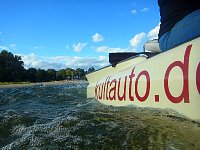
<point>75,33</point>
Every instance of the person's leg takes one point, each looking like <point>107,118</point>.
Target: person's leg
<point>163,41</point>
<point>185,30</point>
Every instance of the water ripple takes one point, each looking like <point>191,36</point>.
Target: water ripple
<point>61,117</point>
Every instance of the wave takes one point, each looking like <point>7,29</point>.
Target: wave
<point>61,117</point>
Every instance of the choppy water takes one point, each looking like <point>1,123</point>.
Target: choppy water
<point>60,117</point>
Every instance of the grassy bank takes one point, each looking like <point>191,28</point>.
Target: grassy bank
<point>9,83</point>
<point>25,84</point>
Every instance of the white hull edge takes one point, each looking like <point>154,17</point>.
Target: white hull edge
<point>168,80</point>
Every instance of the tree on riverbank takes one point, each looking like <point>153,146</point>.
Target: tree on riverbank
<point>12,70</point>
<point>11,67</point>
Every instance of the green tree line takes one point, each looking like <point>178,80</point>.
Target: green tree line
<point>12,70</point>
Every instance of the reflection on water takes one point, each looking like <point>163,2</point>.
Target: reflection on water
<point>60,117</point>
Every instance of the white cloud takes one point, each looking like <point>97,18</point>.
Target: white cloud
<point>3,47</point>
<point>134,11</point>
<point>78,47</point>
<point>38,47</point>
<point>62,62</point>
<point>136,43</point>
<point>106,49</point>
<point>67,46</point>
<point>144,9</point>
<point>34,61</point>
<point>86,62</point>
<point>153,34</point>
<point>12,46</point>
<point>137,39</point>
<point>97,38</point>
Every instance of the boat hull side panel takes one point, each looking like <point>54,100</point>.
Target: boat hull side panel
<point>168,80</point>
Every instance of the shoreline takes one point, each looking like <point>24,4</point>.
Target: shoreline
<point>63,82</point>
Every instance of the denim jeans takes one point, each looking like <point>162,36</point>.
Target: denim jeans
<point>185,30</point>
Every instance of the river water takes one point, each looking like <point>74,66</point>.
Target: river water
<point>61,117</point>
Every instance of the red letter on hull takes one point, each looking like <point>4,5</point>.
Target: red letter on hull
<point>198,78</point>
<point>96,89</point>
<point>130,84</point>
<point>184,66</point>
<point>140,98</point>
<point>112,92</point>
<point>123,97</point>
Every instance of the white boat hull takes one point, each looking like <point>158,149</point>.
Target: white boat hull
<point>168,80</point>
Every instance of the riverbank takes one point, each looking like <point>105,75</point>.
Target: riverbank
<point>27,84</point>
